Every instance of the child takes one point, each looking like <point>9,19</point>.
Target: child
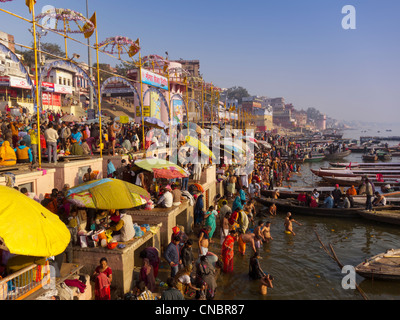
<point>266,282</point>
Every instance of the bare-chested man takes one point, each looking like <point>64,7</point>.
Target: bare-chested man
<point>289,224</point>
<point>231,186</point>
<point>112,135</point>
<point>258,239</point>
<point>245,238</point>
<point>266,232</point>
<point>204,240</point>
<point>272,209</point>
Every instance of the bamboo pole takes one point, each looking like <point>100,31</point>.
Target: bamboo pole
<point>141,98</point>
<point>36,86</point>
<point>334,257</point>
<point>202,104</point>
<point>65,40</point>
<point>99,92</point>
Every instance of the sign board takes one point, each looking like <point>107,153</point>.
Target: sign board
<point>146,111</point>
<point>19,83</point>
<point>154,79</point>
<point>59,88</point>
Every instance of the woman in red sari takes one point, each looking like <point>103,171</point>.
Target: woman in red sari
<point>103,278</point>
<point>227,251</point>
<point>233,224</point>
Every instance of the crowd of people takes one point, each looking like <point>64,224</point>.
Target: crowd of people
<point>19,138</point>
<point>233,216</point>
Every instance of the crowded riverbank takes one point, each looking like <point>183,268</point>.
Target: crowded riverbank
<point>219,262</point>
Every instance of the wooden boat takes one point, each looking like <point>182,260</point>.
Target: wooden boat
<point>357,149</point>
<point>383,155</point>
<point>337,155</point>
<point>350,173</point>
<point>370,157</point>
<point>315,158</point>
<point>356,181</point>
<point>291,205</point>
<point>383,266</point>
<point>390,216</point>
<point>363,165</point>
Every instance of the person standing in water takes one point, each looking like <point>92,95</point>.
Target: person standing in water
<point>266,283</point>
<point>289,224</point>
<point>266,232</point>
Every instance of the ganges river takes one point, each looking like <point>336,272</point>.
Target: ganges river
<point>301,268</point>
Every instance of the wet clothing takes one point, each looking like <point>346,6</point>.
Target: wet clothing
<point>227,253</point>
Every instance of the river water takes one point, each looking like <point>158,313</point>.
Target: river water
<point>301,268</point>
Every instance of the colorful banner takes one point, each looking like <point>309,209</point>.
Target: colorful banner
<point>178,111</point>
<point>19,83</point>
<point>4,81</point>
<point>154,79</point>
<point>51,99</point>
<point>62,89</point>
<point>155,106</point>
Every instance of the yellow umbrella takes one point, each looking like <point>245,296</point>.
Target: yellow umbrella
<point>108,194</point>
<point>27,228</point>
<point>199,145</point>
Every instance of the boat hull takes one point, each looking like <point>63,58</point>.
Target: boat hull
<point>383,266</point>
<point>314,159</point>
<point>338,155</point>
<point>288,206</point>
<point>391,217</point>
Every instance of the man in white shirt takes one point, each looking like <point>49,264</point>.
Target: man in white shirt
<point>51,137</point>
<point>166,199</point>
<point>254,189</point>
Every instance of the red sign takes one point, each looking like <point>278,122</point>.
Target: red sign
<point>45,84</point>
<point>10,92</point>
<point>51,99</point>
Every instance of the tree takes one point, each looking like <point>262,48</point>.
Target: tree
<point>313,114</point>
<point>123,68</point>
<point>54,50</point>
<point>237,93</point>
<point>105,70</point>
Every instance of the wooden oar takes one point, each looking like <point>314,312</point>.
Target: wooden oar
<point>332,254</point>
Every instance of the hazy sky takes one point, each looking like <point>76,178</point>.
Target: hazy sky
<point>296,49</point>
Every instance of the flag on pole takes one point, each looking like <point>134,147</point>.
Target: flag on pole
<point>87,26</point>
<point>30,4</point>
<point>134,48</point>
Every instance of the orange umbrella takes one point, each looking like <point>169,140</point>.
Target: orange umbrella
<point>199,187</point>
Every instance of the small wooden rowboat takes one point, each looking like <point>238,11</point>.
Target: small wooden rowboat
<point>386,216</point>
<point>383,266</point>
<point>337,155</point>
<point>292,205</point>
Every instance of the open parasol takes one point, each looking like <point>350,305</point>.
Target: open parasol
<point>108,194</point>
<point>70,118</point>
<point>161,168</point>
<point>154,122</point>
<point>195,127</point>
<point>27,228</point>
<point>199,145</point>
<point>199,187</point>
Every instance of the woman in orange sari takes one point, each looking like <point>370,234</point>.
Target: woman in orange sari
<point>227,251</point>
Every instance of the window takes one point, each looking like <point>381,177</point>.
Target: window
<point>28,186</point>
<point>59,80</point>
